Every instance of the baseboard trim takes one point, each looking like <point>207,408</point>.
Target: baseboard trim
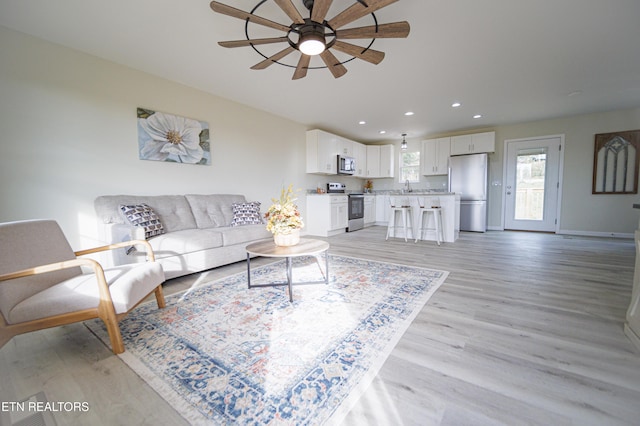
<point>595,234</point>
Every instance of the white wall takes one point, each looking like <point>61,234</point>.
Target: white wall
<point>68,134</point>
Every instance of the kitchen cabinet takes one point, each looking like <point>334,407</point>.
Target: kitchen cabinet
<point>323,149</point>
<point>360,155</point>
<point>380,161</point>
<point>369,210</point>
<point>382,209</point>
<point>387,161</point>
<point>373,160</point>
<point>345,147</point>
<point>435,156</point>
<point>473,144</point>
<point>327,214</point>
<point>322,152</point>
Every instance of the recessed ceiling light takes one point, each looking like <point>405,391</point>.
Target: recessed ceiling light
<point>477,116</point>
<point>362,122</point>
<point>409,113</point>
<point>382,132</point>
<point>456,104</point>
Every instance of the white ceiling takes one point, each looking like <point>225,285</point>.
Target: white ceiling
<point>511,61</point>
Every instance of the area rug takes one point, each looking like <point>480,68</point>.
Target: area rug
<point>225,354</point>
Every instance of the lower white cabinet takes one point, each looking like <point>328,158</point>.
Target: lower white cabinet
<point>369,210</point>
<point>327,214</point>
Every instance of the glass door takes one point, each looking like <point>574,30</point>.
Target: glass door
<point>532,184</point>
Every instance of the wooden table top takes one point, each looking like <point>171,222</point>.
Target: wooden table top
<point>306,247</point>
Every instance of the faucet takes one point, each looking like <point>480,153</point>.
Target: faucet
<point>407,186</point>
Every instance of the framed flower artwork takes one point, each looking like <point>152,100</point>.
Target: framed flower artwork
<point>171,138</point>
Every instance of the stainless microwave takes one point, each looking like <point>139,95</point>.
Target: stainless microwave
<point>346,165</point>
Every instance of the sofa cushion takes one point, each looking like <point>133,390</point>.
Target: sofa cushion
<point>143,216</point>
<point>246,214</point>
<point>185,241</point>
<point>243,234</point>
<point>211,211</point>
<point>173,210</point>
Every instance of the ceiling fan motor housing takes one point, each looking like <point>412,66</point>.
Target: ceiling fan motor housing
<point>308,4</point>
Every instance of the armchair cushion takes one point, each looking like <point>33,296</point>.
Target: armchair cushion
<point>128,285</point>
<point>27,244</point>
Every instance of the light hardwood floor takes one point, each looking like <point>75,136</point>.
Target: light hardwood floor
<point>527,329</point>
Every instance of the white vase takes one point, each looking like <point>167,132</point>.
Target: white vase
<point>286,240</point>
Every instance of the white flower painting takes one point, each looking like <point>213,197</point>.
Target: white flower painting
<point>166,137</point>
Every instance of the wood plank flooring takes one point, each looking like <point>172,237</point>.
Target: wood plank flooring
<point>526,330</point>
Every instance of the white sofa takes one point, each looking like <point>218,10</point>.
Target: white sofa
<point>198,232</point>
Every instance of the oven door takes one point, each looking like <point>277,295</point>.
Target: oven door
<point>356,212</point>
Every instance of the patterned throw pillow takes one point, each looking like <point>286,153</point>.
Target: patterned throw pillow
<point>143,215</point>
<point>246,214</point>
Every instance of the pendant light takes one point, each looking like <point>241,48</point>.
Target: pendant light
<point>403,145</point>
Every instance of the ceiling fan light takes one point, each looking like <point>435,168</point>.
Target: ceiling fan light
<point>311,44</point>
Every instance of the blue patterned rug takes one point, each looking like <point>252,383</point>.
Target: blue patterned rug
<point>225,354</point>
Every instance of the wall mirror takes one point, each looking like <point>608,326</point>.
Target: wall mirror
<point>615,163</point>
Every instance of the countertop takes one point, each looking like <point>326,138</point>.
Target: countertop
<point>390,192</point>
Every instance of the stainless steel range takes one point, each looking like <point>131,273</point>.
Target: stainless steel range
<point>356,212</point>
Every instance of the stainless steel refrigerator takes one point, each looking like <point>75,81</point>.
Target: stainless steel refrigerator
<point>468,177</point>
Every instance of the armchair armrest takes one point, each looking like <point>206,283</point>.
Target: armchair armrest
<point>103,288</point>
<point>150,255</point>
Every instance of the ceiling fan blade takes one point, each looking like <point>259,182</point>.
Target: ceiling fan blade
<point>358,10</point>
<point>369,55</point>
<point>255,41</point>
<point>272,59</point>
<point>303,66</point>
<point>320,9</point>
<point>334,65</point>
<point>241,14</point>
<point>392,30</point>
<point>291,11</point>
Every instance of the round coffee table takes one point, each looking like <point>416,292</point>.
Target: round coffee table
<point>306,247</point>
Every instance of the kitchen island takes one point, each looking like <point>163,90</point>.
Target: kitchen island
<point>450,211</point>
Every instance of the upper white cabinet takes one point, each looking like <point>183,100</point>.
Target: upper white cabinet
<point>373,161</point>
<point>435,156</point>
<point>360,155</point>
<point>323,148</point>
<point>473,144</point>
<point>322,151</point>
<point>345,147</point>
<point>380,161</point>
<point>387,161</point>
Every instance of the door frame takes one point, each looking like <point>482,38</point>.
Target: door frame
<point>560,176</point>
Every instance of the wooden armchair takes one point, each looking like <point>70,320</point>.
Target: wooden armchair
<point>42,283</point>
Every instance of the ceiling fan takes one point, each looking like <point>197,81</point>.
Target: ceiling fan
<point>315,35</point>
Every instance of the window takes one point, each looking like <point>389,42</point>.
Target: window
<point>409,166</point>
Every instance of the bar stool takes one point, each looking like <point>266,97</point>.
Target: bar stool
<point>433,207</point>
<point>403,206</point>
